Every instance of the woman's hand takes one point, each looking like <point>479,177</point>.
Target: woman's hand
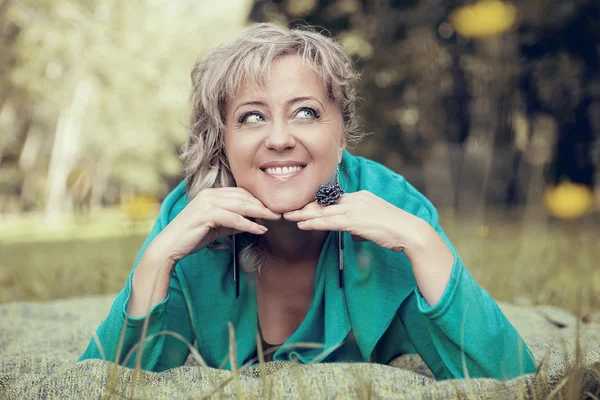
<point>212,214</point>
<point>366,217</point>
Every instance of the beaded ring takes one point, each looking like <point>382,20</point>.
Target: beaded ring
<point>329,193</point>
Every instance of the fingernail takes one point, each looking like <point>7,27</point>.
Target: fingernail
<point>264,229</point>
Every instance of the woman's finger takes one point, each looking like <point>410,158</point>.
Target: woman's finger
<point>233,220</point>
<point>247,208</point>
<point>233,192</point>
<point>327,223</point>
<point>312,210</point>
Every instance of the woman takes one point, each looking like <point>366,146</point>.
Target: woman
<point>368,274</point>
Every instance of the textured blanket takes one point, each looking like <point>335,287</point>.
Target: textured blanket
<point>39,344</point>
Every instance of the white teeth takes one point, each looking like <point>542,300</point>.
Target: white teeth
<point>283,170</point>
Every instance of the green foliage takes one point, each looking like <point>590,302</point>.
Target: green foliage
<point>131,63</point>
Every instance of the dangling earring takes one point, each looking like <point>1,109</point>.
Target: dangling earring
<point>341,259</point>
<point>236,269</point>
<point>327,195</point>
<point>340,239</point>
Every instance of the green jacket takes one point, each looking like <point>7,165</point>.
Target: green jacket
<point>378,315</point>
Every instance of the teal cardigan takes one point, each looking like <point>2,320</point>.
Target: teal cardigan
<point>378,315</point>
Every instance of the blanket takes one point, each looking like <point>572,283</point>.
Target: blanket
<point>40,342</point>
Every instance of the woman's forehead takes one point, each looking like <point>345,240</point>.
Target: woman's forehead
<point>287,75</point>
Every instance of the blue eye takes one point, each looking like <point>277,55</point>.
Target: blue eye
<point>251,118</point>
<point>307,113</point>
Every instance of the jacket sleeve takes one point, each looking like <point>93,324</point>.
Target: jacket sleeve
<point>465,333</point>
<point>119,334</point>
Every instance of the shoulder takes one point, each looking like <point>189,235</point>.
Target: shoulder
<point>360,173</point>
<point>173,204</point>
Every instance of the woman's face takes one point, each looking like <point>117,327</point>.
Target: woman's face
<point>285,139</point>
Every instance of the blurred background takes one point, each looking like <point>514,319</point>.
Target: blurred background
<point>491,108</point>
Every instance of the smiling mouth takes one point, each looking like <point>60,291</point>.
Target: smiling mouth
<point>281,171</point>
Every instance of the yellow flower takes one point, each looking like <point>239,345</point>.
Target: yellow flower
<point>569,200</point>
<point>140,208</point>
<point>483,19</point>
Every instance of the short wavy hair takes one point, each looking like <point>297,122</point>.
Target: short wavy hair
<point>216,78</point>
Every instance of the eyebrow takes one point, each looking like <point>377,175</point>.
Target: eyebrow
<point>287,103</point>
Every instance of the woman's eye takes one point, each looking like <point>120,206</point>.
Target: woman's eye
<point>307,113</point>
<point>251,118</point>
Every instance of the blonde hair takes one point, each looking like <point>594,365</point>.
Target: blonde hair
<point>217,77</point>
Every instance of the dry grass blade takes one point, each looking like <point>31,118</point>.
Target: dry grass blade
<point>170,333</point>
<point>575,387</point>
<point>233,361</point>
<point>538,379</point>
<point>121,340</point>
<point>326,352</point>
<point>99,345</point>
<point>301,388</point>
<point>306,345</point>
<point>558,388</point>
<point>113,370</point>
<point>138,360</point>
<point>463,358</point>
<point>111,380</point>
<point>362,384</point>
<point>198,358</point>
<point>261,365</point>
<point>137,375</point>
<point>218,388</point>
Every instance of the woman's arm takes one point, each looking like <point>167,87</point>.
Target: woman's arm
<point>431,259</point>
<point>465,333</point>
<point>183,227</point>
<point>454,324</point>
<point>121,331</point>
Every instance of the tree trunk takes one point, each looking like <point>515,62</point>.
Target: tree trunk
<point>65,151</point>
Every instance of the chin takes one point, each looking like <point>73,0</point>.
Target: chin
<point>285,204</point>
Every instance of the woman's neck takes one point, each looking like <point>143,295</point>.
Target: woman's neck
<point>288,245</point>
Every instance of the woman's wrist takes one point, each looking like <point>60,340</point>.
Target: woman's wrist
<point>158,257</point>
<point>431,261</point>
<point>150,281</point>
<point>422,234</point>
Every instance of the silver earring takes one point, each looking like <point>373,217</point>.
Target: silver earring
<point>329,194</point>
<point>341,259</point>
<point>236,270</point>
<point>340,238</point>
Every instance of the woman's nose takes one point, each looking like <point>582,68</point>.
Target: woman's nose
<point>280,138</point>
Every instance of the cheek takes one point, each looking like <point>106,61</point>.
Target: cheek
<point>236,161</point>
<point>329,148</point>
<point>239,151</point>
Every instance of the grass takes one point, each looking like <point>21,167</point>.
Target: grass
<point>50,270</point>
<point>535,262</point>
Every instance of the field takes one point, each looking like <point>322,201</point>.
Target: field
<point>517,261</point>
